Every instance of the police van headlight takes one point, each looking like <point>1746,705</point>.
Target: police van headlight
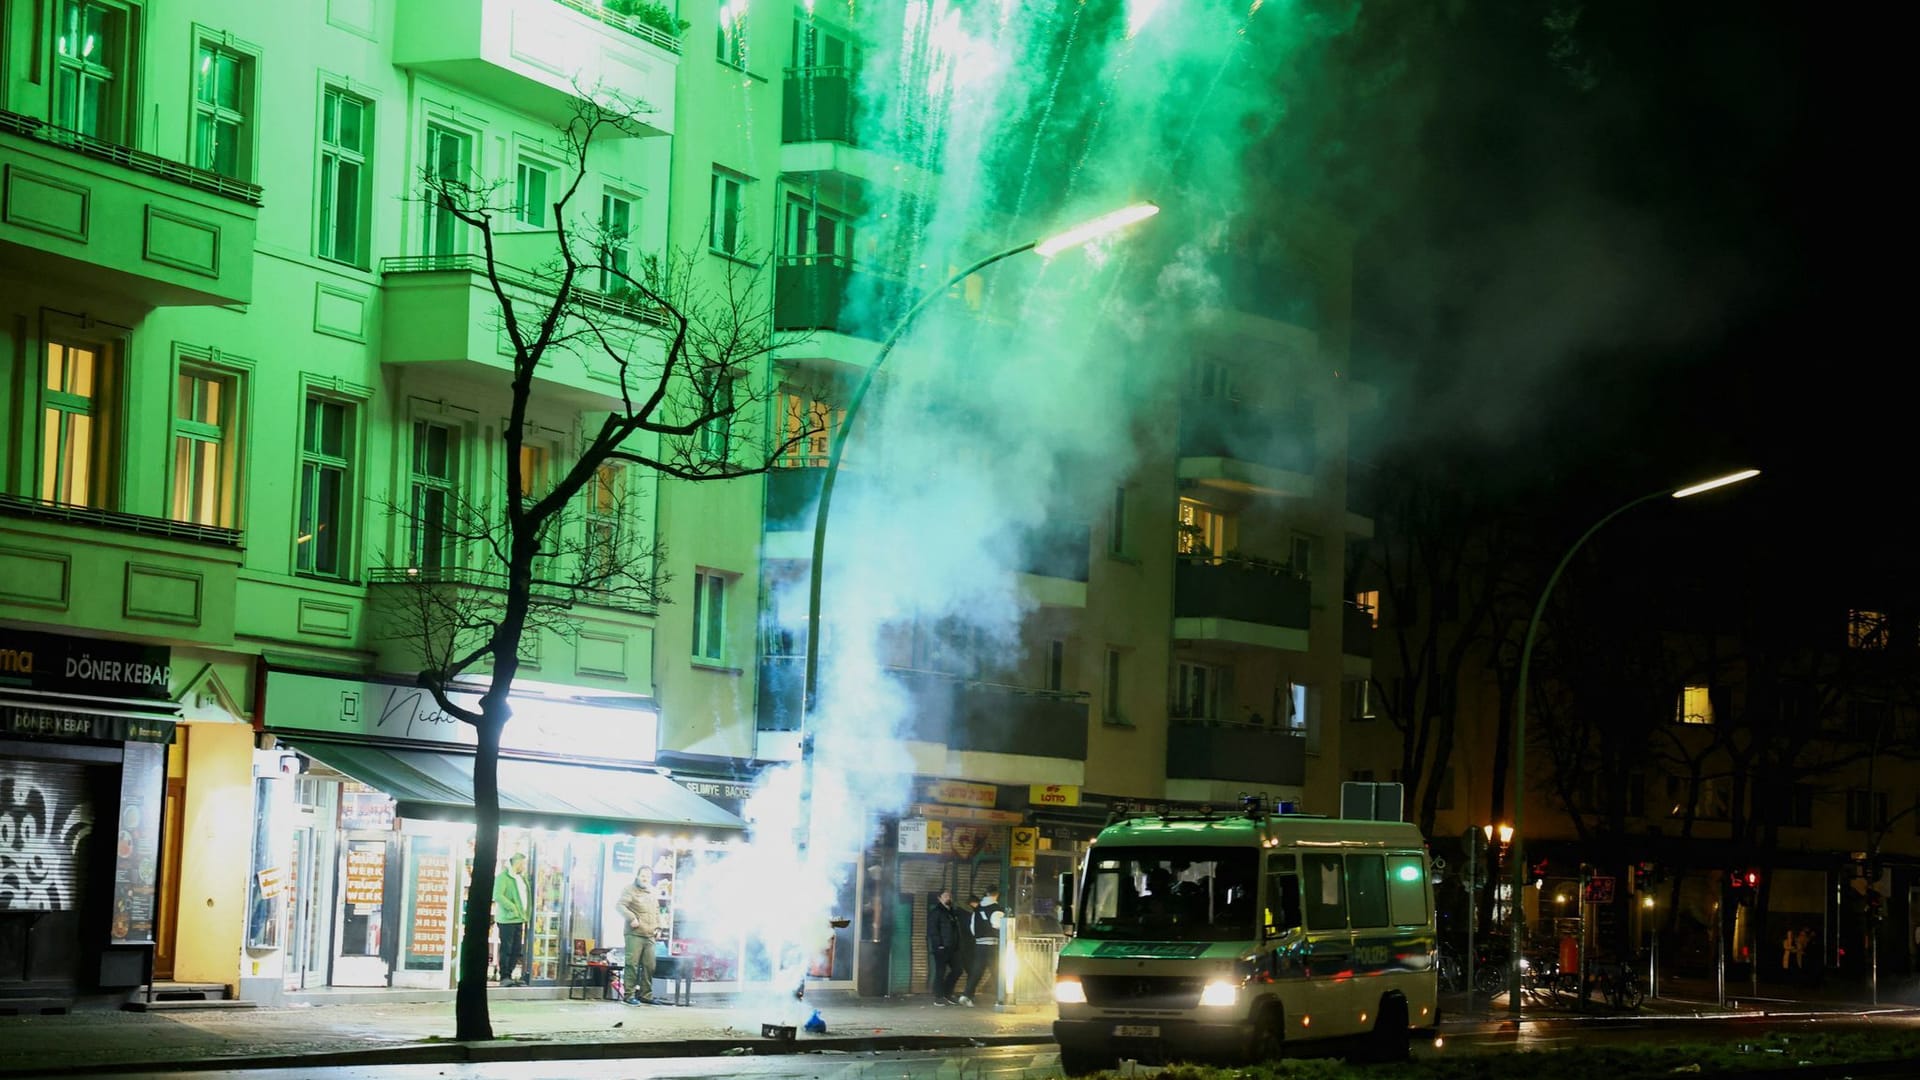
<point>1219,994</point>
<point>1068,991</point>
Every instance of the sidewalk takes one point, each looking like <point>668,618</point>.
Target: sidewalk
<point>109,1040</point>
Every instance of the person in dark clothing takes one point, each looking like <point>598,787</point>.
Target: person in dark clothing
<point>988,917</point>
<point>943,942</point>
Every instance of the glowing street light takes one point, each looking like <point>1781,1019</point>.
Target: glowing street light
<point>1519,750</point>
<point>1046,248</point>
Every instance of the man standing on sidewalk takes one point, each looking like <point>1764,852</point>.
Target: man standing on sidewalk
<point>943,941</point>
<point>643,919</point>
<point>985,928</point>
<point>510,898</point>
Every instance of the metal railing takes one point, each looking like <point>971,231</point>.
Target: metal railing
<point>126,156</point>
<point>519,278</point>
<point>1242,562</point>
<point>645,31</point>
<point>45,510</point>
<point>548,594</point>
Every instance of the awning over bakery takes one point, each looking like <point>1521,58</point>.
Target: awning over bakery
<point>533,794</point>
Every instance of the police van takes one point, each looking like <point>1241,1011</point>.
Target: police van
<point>1223,935</point>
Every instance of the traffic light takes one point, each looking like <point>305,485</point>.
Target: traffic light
<point>1753,879</point>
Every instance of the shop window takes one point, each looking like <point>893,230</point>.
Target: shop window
<point>710,616</point>
<point>266,894</point>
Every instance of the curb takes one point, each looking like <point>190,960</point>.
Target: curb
<point>515,1050</point>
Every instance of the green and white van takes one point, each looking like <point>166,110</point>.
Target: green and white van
<point>1224,935</point>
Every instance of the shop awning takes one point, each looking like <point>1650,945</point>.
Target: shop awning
<point>429,784</point>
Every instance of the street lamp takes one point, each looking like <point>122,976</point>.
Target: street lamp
<point>1046,248</point>
<point>1519,750</point>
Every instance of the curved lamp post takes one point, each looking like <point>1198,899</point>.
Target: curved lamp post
<point>1518,752</point>
<point>1047,248</point>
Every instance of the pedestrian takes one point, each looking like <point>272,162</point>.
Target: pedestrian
<point>643,920</point>
<point>1802,940</point>
<point>1789,958</point>
<point>988,917</point>
<point>943,941</point>
<point>510,899</point>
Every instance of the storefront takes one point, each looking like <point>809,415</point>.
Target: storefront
<point>83,731</point>
<point>366,835</point>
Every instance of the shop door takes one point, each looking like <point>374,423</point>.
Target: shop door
<point>359,910</point>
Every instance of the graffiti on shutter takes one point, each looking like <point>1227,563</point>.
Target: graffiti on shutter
<point>45,819</point>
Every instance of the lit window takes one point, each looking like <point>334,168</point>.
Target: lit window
<point>807,440</point>
<point>89,47</point>
<point>450,166</point>
<point>205,473</point>
<point>346,124</point>
<point>709,616</point>
<point>814,232</point>
<point>222,107</point>
<point>606,493</point>
<point>1369,602</point>
<point>725,233</point>
<point>321,542</point>
<point>435,450</point>
<point>531,179</point>
<point>1866,629</point>
<point>1695,706</point>
<point>616,242</point>
<point>76,426</point>
<point>1201,530</point>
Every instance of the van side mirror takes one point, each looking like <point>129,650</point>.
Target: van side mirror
<point>1063,896</point>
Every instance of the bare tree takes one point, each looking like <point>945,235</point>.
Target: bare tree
<point>673,344</point>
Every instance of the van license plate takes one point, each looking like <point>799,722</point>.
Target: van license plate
<point>1136,1031</point>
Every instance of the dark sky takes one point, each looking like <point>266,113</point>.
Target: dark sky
<point>1636,246</point>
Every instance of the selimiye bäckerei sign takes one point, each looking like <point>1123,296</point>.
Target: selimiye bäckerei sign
<point>95,667</point>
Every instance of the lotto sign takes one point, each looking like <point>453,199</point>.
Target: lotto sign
<point>1026,840</point>
<point>1054,795</point>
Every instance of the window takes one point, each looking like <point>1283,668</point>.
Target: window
<point>1868,720</point>
<point>1117,523</point>
<point>616,242</point>
<point>346,132</point>
<point>1367,890</point>
<point>1114,714</point>
<point>1695,706</point>
<point>1362,697</point>
<point>1196,694</point>
<point>326,438</point>
<point>89,91</point>
<point>450,164</point>
<point>205,473</point>
<point>1369,602</point>
<point>1283,897</point>
<point>1866,629</point>
<point>1296,705</point>
<point>1325,889</point>
<point>1866,810</point>
<point>709,616</point>
<point>1212,381</point>
<point>1796,811</point>
<point>1056,665</point>
<point>606,493</point>
<point>807,435</point>
<point>812,230</point>
<point>1201,530</point>
<point>1300,555</point>
<point>730,43</point>
<point>77,426</point>
<point>1712,800</point>
<point>1407,890</point>
<point>531,179</point>
<point>725,232</point>
<point>222,107</point>
<point>815,46</point>
<point>430,501</point>
<point>716,400</point>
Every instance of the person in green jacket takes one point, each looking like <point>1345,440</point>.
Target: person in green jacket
<point>510,897</point>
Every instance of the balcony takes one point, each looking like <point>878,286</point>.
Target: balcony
<point>141,574</point>
<point>831,293</point>
<point>1054,562</point>
<point>1245,753</point>
<point>1240,602</point>
<point>440,311</point>
<point>539,55</point>
<point>1356,630</point>
<point>960,714</point>
<point>820,137</point>
<point>819,104</point>
<point>1238,448</point>
<point>118,221</point>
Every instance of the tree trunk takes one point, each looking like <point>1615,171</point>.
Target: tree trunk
<point>470,1017</point>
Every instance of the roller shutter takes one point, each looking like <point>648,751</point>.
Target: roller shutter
<point>46,818</point>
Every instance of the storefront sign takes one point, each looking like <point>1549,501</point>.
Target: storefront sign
<point>726,794</point>
<point>38,723</point>
<point>366,876</point>
<point>401,711</point>
<point>960,793</point>
<point>1024,841</point>
<point>73,665</point>
<point>136,854</point>
<point>1054,795</point>
<point>361,807</point>
<point>968,813</point>
<point>918,836</point>
<point>273,881</point>
<point>431,871</point>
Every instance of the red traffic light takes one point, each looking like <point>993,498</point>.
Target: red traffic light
<point>1753,879</point>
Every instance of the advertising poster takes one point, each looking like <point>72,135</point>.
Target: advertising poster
<point>430,869</point>
<point>136,853</point>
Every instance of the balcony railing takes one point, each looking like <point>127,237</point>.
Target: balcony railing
<point>638,311</point>
<point>1281,439</point>
<point>1356,630</point>
<point>820,105</point>
<point>645,31</point>
<point>19,506</point>
<point>1058,550</point>
<point>127,157</point>
<point>832,292</point>
<point>1245,590</point>
<point>1251,753</point>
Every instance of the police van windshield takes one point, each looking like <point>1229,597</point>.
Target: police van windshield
<point>1169,894</point>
